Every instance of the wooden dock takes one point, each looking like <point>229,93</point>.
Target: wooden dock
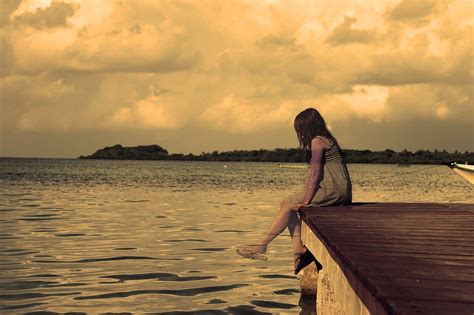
<point>393,258</point>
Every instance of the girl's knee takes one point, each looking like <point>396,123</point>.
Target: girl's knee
<point>285,207</point>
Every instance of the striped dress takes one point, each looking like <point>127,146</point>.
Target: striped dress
<point>335,188</point>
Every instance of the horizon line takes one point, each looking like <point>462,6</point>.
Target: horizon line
<point>78,157</point>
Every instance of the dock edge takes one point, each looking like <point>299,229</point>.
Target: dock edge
<point>335,294</point>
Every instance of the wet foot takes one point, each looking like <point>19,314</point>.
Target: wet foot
<point>257,248</point>
<point>253,251</point>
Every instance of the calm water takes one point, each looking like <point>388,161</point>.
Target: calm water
<point>160,236</point>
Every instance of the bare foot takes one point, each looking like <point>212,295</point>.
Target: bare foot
<point>257,248</point>
<point>253,251</point>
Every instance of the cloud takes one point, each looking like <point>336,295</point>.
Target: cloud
<point>416,10</point>
<point>366,101</point>
<point>91,102</point>
<point>234,115</point>
<point>149,113</point>
<point>345,34</point>
<point>275,41</point>
<point>241,67</point>
<point>243,117</point>
<point>97,37</point>
<point>55,15</point>
<point>6,56</point>
<point>397,69</point>
<point>426,101</point>
<point>7,7</point>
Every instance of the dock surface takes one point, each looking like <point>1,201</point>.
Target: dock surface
<point>398,258</point>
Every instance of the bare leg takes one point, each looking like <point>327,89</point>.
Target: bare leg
<point>285,217</point>
<point>294,227</point>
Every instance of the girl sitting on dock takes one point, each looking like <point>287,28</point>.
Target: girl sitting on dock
<point>327,184</point>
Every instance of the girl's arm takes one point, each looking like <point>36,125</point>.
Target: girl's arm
<point>315,172</point>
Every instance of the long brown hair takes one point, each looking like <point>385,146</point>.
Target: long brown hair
<point>309,124</point>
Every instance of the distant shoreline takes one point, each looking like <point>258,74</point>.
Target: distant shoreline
<point>292,155</point>
<point>290,164</point>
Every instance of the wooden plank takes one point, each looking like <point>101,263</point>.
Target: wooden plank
<point>372,254</point>
<point>363,217</point>
<point>407,231</point>
<point>444,249</point>
<point>418,306</point>
<point>409,260</point>
<point>409,256</point>
<point>370,218</point>
<point>425,273</point>
<point>433,293</point>
<point>357,240</point>
<point>400,209</point>
<point>412,237</point>
<point>400,223</point>
<point>413,282</point>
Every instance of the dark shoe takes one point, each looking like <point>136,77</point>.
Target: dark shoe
<point>306,259</point>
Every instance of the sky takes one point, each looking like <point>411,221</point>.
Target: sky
<point>198,76</point>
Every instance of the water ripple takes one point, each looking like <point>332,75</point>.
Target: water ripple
<point>286,291</point>
<point>21,296</point>
<point>272,304</point>
<point>211,249</point>
<point>89,260</point>
<point>159,276</point>
<point>216,301</point>
<point>276,276</point>
<point>44,275</point>
<point>17,307</point>
<point>69,234</point>
<point>38,219</point>
<point>183,292</point>
<point>197,312</point>
<point>188,240</point>
<point>28,285</point>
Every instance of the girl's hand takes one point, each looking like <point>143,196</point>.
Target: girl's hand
<point>298,205</point>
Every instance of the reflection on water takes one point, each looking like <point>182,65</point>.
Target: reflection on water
<point>159,236</point>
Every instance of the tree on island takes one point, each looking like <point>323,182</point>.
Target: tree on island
<point>282,155</point>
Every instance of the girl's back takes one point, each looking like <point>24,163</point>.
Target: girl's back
<point>335,187</point>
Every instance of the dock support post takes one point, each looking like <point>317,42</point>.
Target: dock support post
<point>309,280</point>
<point>309,289</point>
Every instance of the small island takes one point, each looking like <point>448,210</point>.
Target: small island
<point>292,155</point>
<point>118,152</point>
